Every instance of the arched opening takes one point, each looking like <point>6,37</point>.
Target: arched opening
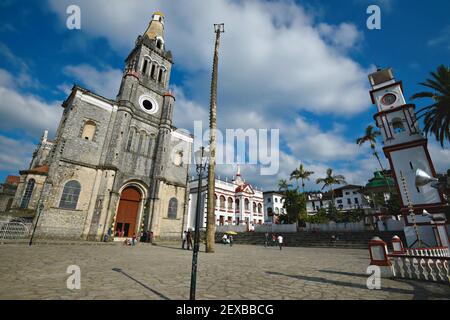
<point>144,67</point>
<point>172,210</point>
<point>222,202</point>
<point>27,195</point>
<point>230,203</point>
<point>128,212</point>
<point>259,208</point>
<point>247,205</point>
<point>254,207</point>
<point>237,208</point>
<point>88,130</point>
<point>160,75</point>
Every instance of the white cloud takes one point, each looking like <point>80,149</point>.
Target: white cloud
<point>25,112</point>
<point>15,154</point>
<point>104,82</point>
<point>439,156</point>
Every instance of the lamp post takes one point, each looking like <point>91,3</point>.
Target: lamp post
<point>201,159</point>
<point>40,207</point>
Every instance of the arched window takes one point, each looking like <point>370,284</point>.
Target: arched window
<point>215,201</point>
<point>269,211</point>
<point>130,140</point>
<point>254,207</point>
<point>70,194</point>
<point>247,205</point>
<point>88,130</point>
<point>222,202</point>
<point>230,203</point>
<point>236,205</point>
<point>173,207</point>
<point>152,73</point>
<point>277,211</point>
<point>150,145</point>
<point>144,66</point>
<point>28,193</point>
<point>259,208</point>
<point>397,125</point>
<point>160,75</point>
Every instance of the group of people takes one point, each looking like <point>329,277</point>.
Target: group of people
<point>273,240</point>
<point>187,239</point>
<point>227,239</point>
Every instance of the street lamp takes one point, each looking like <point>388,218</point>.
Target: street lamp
<point>40,207</point>
<point>201,161</point>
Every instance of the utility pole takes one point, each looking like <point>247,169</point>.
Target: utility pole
<point>211,214</point>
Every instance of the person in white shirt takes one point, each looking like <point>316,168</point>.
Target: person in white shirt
<point>184,239</point>
<point>224,239</point>
<point>280,241</point>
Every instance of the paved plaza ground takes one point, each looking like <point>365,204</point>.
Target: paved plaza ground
<point>163,272</point>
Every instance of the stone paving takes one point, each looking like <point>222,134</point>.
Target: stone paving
<point>163,272</point>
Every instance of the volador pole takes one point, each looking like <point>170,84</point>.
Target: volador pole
<point>211,215</point>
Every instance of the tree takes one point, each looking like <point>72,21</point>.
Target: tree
<point>436,115</point>
<point>211,210</point>
<point>301,174</point>
<point>393,205</point>
<point>283,186</point>
<point>371,136</point>
<point>320,217</point>
<point>331,180</point>
<point>295,205</point>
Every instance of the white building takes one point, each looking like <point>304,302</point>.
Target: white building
<point>237,203</point>
<point>274,205</point>
<point>346,198</point>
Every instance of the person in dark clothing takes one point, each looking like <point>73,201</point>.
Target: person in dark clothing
<point>189,240</point>
<point>266,241</point>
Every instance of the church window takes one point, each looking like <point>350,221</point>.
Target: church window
<point>27,195</point>
<point>160,75</point>
<point>88,130</point>
<point>237,205</point>
<point>222,202</point>
<point>397,125</point>
<point>144,67</point>
<point>70,194</point>
<point>259,208</point>
<point>254,207</point>
<point>159,44</point>
<point>152,73</point>
<point>130,140</point>
<point>173,207</point>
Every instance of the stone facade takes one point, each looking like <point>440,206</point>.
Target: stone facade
<point>104,147</point>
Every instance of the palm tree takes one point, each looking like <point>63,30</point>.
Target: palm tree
<point>283,186</point>
<point>437,115</point>
<point>331,180</point>
<point>301,174</point>
<point>371,136</point>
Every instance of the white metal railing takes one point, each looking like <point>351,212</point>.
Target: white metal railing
<point>428,252</point>
<point>421,267</point>
<point>16,229</point>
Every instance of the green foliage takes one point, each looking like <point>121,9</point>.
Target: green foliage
<point>320,217</point>
<point>437,114</point>
<point>393,205</point>
<point>356,215</point>
<point>295,205</point>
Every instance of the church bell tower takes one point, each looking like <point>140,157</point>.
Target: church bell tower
<point>405,147</point>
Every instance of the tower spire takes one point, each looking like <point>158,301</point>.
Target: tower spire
<point>155,29</point>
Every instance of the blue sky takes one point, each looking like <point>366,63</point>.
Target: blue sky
<point>297,66</point>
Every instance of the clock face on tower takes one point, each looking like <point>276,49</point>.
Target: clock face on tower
<point>389,99</point>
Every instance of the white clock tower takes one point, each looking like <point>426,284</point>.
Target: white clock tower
<point>406,149</point>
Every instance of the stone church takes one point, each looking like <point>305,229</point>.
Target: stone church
<point>115,167</point>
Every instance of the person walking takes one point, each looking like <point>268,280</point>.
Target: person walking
<point>280,241</point>
<point>189,239</point>
<point>274,239</point>
<point>231,240</point>
<point>266,240</point>
<point>184,239</point>
<point>133,241</point>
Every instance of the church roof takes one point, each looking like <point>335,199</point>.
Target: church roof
<point>14,180</point>
<point>43,170</point>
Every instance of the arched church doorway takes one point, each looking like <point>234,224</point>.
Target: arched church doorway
<point>127,212</point>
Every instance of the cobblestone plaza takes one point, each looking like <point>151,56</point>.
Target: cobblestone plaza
<point>163,272</point>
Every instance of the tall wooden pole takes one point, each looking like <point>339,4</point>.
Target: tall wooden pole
<point>211,214</point>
